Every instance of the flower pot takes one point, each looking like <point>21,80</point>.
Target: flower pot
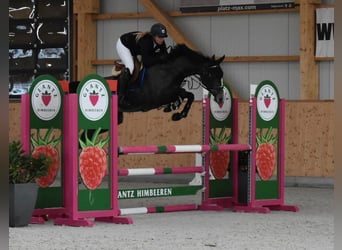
<point>22,202</point>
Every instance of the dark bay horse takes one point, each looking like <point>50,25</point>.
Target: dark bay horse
<point>161,84</point>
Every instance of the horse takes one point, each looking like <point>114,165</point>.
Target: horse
<point>161,84</point>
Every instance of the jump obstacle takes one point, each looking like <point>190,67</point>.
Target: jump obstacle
<point>69,113</point>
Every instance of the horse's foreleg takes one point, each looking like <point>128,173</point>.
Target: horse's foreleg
<point>174,105</point>
<point>184,113</point>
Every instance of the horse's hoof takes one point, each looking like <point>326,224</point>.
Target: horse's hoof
<point>167,109</point>
<point>176,116</point>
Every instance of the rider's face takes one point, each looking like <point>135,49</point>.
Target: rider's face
<point>158,40</point>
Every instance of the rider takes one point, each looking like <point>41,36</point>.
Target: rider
<point>150,45</point>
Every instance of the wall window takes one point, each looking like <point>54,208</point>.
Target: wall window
<point>39,42</point>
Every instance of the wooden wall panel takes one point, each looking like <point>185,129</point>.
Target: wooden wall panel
<point>86,6</point>
<point>84,37</point>
<point>14,121</point>
<point>309,136</point>
<point>308,67</point>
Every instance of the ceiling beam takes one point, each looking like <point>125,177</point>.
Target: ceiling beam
<point>164,18</point>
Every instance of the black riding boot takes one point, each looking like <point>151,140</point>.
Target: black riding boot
<point>124,81</point>
<point>125,78</point>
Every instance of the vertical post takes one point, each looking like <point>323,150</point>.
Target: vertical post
<point>114,154</point>
<point>85,36</point>
<point>308,67</point>
<point>206,135</point>
<point>281,150</point>
<point>71,156</point>
<point>252,157</point>
<point>235,135</point>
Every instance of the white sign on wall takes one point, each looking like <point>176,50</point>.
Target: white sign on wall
<point>325,32</point>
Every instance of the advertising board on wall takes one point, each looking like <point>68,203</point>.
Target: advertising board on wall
<point>233,5</point>
<point>325,32</point>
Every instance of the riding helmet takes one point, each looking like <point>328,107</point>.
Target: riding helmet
<point>159,30</point>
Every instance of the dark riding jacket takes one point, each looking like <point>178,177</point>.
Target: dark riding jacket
<point>151,53</point>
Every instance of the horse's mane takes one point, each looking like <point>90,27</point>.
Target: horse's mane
<point>182,50</point>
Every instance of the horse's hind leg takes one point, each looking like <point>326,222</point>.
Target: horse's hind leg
<point>184,113</point>
<point>120,117</point>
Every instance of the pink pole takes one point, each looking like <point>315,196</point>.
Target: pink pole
<point>235,135</point>
<point>253,152</point>
<point>114,154</point>
<point>71,155</point>
<point>154,149</point>
<point>66,155</point>
<point>206,135</point>
<point>173,208</point>
<point>159,171</point>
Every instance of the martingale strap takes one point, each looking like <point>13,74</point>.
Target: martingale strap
<point>141,77</point>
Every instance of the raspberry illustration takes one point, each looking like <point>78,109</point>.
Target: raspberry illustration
<point>93,160</point>
<point>47,147</point>
<point>219,160</point>
<point>266,155</point>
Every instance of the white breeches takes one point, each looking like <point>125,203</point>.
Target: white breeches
<point>125,55</point>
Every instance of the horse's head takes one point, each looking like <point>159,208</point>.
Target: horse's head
<point>212,78</point>
<point>190,62</point>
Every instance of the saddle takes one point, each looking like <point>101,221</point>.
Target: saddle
<point>124,86</point>
<point>119,67</point>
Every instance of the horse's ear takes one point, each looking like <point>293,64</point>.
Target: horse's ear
<point>213,57</point>
<point>220,59</point>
